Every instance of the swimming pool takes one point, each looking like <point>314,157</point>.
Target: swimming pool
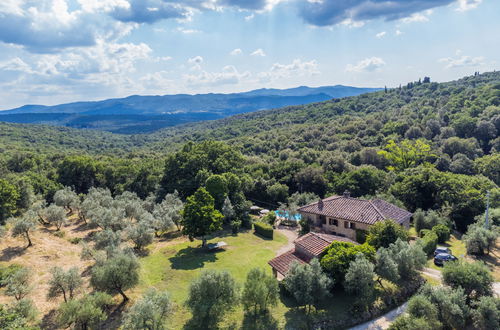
<point>284,214</point>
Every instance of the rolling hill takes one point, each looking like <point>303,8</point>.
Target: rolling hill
<point>142,114</point>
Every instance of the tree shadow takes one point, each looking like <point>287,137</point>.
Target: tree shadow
<point>263,237</point>
<point>170,236</point>
<point>264,321</point>
<point>115,317</point>
<point>191,258</point>
<point>82,227</point>
<point>11,252</point>
<point>49,320</point>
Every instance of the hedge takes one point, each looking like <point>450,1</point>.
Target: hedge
<point>263,229</point>
<point>443,232</point>
<point>429,242</point>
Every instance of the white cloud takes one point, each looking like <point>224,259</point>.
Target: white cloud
<point>236,51</point>
<point>228,76</point>
<point>297,68</point>
<point>367,65</point>
<point>249,17</point>
<point>187,31</point>
<point>258,52</point>
<point>464,5</point>
<point>418,17</point>
<point>195,60</point>
<point>398,32</point>
<point>381,34</point>
<point>462,61</point>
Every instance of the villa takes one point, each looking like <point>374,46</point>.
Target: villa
<point>336,218</point>
<point>344,215</point>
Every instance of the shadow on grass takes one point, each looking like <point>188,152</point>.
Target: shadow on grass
<point>263,237</point>
<point>11,252</point>
<point>192,258</point>
<point>49,320</point>
<point>263,321</point>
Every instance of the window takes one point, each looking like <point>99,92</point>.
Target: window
<point>333,222</point>
<point>349,225</point>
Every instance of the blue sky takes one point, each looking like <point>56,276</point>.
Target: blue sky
<point>55,51</point>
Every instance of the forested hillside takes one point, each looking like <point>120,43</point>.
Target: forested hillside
<point>441,133</point>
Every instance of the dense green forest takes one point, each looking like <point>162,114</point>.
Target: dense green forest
<point>429,145</point>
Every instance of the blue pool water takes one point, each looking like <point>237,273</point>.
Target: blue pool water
<point>282,214</point>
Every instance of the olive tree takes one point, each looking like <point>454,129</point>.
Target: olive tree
<point>140,233</point>
<point>359,279</point>
<point>307,283</point>
<point>486,313</point>
<point>18,284</point>
<point>210,296</point>
<point>24,225</point>
<point>260,291</point>
<point>67,198</point>
<point>385,267</point>
<point>55,215</point>
<point>85,313</point>
<point>149,313</point>
<point>116,275</point>
<point>64,283</point>
<point>474,278</point>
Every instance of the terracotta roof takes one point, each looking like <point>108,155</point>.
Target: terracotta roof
<point>283,262</point>
<point>315,243</point>
<point>357,210</point>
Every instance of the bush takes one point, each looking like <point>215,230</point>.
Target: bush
<point>429,242</point>
<point>5,272</point>
<point>361,235</point>
<point>75,240</point>
<point>269,218</point>
<point>443,232</point>
<point>423,232</point>
<point>263,229</point>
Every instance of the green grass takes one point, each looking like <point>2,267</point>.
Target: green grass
<point>173,267</point>
<point>457,247</point>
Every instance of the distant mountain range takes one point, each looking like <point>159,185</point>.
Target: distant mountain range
<point>143,114</point>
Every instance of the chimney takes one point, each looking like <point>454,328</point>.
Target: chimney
<point>320,204</point>
<point>347,194</point>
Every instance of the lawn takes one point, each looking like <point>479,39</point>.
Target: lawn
<point>173,267</point>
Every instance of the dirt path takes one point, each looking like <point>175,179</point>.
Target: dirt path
<point>382,322</point>
<point>291,235</point>
<point>432,273</point>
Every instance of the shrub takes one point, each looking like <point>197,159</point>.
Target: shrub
<point>339,255</point>
<point>5,272</point>
<point>361,235</point>
<point>423,232</point>
<point>429,242</point>
<point>75,240</point>
<point>269,218</point>
<point>443,232</point>
<point>384,233</point>
<point>263,229</point>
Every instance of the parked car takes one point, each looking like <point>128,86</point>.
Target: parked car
<point>441,249</point>
<point>441,258</point>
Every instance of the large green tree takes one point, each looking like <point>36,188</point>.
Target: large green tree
<point>200,218</point>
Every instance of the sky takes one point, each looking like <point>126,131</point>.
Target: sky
<point>58,51</point>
